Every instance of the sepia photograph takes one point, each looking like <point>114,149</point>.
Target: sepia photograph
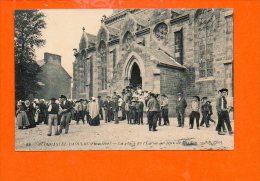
<point>124,79</point>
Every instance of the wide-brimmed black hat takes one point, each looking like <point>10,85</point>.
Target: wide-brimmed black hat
<point>203,98</point>
<point>62,96</point>
<point>197,97</point>
<point>164,95</point>
<point>152,94</point>
<point>224,89</point>
<point>53,99</point>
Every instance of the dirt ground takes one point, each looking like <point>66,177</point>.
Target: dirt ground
<point>122,136</point>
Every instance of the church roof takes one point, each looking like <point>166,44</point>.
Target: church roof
<point>86,39</point>
<point>163,58</point>
<point>91,37</point>
<point>113,31</point>
<point>141,21</point>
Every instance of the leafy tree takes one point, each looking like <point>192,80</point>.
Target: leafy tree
<point>28,36</point>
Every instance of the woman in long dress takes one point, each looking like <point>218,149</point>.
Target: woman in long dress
<point>21,116</point>
<point>30,115</point>
<point>94,113</point>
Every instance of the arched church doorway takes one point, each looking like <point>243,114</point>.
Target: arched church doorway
<point>136,79</point>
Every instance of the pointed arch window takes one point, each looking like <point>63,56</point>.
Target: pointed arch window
<point>128,39</point>
<point>204,30</point>
<point>103,56</point>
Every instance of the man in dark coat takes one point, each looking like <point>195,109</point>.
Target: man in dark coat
<point>139,111</point>
<point>108,108</point>
<point>205,110</point>
<point>181,105</point>
<point>195,107</point>
<point>165,110</point>
<point>210,112</point>
<point>66,107</point>
<point>115,99</point>
<point>152,113</point>
<point>223,112</point>
<point>42,113</point>
<point>100,104</point>
<point>53,110</point>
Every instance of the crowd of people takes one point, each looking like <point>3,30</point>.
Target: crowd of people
<point>128,105</point>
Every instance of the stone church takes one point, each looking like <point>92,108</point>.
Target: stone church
<point>164,50</point>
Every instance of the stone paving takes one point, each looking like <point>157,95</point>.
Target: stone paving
<point>122,136</point>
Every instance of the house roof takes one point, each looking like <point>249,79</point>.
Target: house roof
<point>58,66</point>
<point>40,62</point>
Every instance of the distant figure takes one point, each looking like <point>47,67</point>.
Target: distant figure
<point>30,113</point>
<point>79,111</point>
<point>181,105</point>
<point>108,109</point>
<point>42,113</point>
<point>53,111</point>
<point>210,112</point>
<point>132,113</point>
<point>205,110</point>
<point>65,112</point>
<point>100,103</point>
<point>127,111</point>
<point>115,99</point>
<point>223,112</point>
<point>195,107</point>
<point>152,112</point>
<point>21,116</point>
<point>164,109</point>
<point>139,111</point>
<point>94,112</point>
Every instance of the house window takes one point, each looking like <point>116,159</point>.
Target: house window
<point>178,37</point>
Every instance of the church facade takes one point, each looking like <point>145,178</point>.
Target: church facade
<point>164,50</point>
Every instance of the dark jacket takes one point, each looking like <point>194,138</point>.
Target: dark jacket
<point>139,106</point>
<point>54,108</point>
<point>181,105</point>
<point>67,105</point>
<point>153,105</point>
<point>100,103</point>
<point>108,105</point>
<point>219,104</point>
<point>205,108</point>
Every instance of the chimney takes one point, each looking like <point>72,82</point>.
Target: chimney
<point>52,58</point>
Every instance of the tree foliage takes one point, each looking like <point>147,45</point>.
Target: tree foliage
<point>28,36</point>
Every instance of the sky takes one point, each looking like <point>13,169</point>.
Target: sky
<point>64,30</point>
